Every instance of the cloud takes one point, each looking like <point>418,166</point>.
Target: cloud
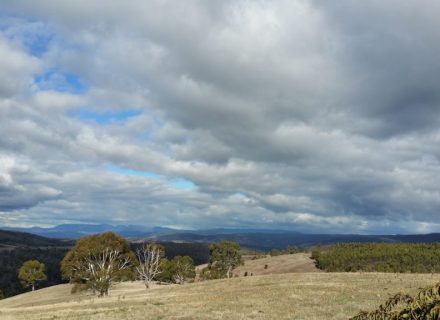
<point>320,117</point>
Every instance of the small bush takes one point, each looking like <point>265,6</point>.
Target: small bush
<point>424,305</point>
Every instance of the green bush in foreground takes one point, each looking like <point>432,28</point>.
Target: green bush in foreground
<point>425,305</point>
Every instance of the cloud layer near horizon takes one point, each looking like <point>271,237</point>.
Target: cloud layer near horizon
<point>309,115</point>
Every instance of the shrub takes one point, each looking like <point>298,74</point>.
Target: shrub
<point>424,305</point>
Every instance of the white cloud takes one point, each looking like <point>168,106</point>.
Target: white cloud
<point>320,116</point>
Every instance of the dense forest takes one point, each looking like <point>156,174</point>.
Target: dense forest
<point>12,259</point>
<point>380,257</point>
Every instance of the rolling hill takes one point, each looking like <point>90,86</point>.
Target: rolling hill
<point>308,296</point>
<point>286,263</point>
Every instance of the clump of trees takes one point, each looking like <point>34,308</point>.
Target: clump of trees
<point>178,270</point>
<point>97,261</point>
<point>31,272</point>
<point>425,305</point>
<point>287,250</point>
<point>379,257</point>
<point>224,256</point>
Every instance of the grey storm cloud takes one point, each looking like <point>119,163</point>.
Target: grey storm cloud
<point>310,115</point>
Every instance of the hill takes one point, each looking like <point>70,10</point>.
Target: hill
<point>267,240</point>
<point>286,263</point>
<point>308,296</point>
<point>18,247</point>
<point>22,239</point>
<point>260,239</point>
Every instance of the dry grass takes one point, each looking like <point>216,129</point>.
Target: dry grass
<point>298,262</point>
<point>279,296</point>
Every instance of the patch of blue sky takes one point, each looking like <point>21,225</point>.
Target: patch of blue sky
<point>104,117</point>
<point>35,36</point>
<point>54,79</point>
<point>38,44</point>
<point>239,195</point>
<point>180,183</point>
<point>131,172</point>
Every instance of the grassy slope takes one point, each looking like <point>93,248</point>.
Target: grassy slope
<point>279,296</point>
<point>298,262</point>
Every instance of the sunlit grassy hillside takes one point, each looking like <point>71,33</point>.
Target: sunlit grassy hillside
<point>278,296</point>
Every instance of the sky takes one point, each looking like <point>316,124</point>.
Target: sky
<point>305,115</point>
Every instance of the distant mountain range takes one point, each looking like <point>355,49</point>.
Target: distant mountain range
<point>75,231</point>
<point>261,239</point>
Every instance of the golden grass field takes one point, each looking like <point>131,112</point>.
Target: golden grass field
<point>298,262</point>
<point>278,296</point>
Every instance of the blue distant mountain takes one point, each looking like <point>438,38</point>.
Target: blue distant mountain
<point>75,231</point>
<point>262,239</point>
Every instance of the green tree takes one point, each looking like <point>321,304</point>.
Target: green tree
<point>178,270</point>
<point>224,256</point>
<point>30,272</point>
<point>98,261</point>
<point>184,269</point>
<point>166,271</point>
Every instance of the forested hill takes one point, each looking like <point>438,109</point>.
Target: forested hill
<point>22,239</point>
<point>18,247</point>
<point>268,240</point>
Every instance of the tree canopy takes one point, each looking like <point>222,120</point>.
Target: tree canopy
<point>97,261</point>
<point>30,272</point>
<point>224,256</point>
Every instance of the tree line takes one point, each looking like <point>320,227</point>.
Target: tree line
<point>16,248</point>
<point>379,257</point>
<point>96,262</point>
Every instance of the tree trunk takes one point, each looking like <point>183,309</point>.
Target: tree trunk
<point>33,286</point>
<point>147,284</point>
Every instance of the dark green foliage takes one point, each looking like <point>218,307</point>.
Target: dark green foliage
<point>211,273</point>
<point>287,250</point>
<point>224,256</point>
<point>425,305</point>
<point>379,257</point>
<point>167,271</point>
<point>22,239</point>
<point>99,260</point>
<point>178,270</point>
